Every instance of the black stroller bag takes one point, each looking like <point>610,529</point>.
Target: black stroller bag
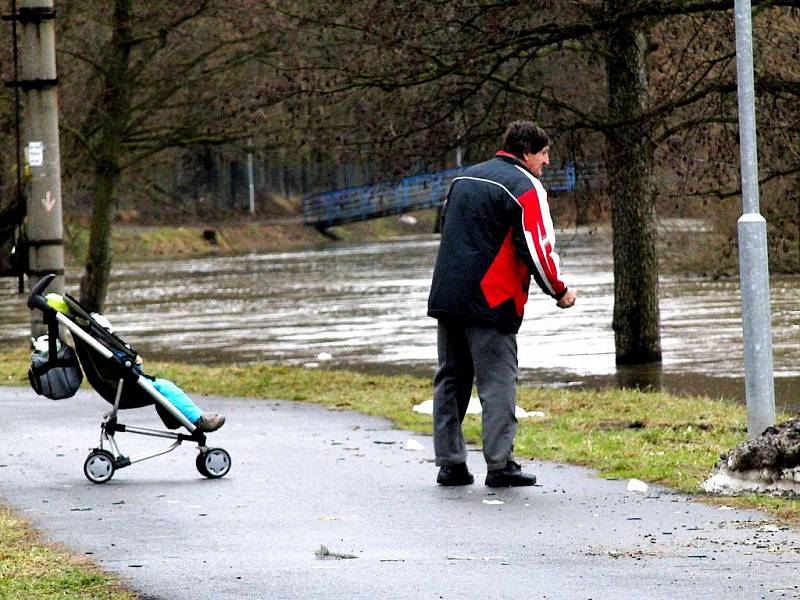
<point>55,379</point>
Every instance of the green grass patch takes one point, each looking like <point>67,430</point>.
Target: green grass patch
<point>30,570</point>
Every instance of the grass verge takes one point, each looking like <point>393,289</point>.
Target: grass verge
<point>30,570</point>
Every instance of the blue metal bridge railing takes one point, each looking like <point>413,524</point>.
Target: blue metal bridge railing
<point>417,192</point>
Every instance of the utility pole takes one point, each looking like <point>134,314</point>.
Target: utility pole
<point>250,182</point>
<point>753,264</point>
<point>38,81</point>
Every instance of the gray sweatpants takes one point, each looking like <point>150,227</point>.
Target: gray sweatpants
<point>489,357</point>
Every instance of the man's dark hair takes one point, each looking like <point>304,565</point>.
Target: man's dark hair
<point>524,136</point>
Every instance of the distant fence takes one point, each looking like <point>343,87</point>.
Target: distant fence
<point>428,190</point>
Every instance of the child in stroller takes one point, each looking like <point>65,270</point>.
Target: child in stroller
<point>205,422</point>
<point>114,370</point>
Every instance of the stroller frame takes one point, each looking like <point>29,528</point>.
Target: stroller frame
<point>101,463</point>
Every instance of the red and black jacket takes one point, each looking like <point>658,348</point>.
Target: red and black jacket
<point>497,233</point>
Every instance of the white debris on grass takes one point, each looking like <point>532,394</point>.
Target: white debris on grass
<point>636,485</point>
<point>408,220</point>
<point>521,413</point>
<point>426,407</point>
<point>324,356</point>
<point>474,408</point>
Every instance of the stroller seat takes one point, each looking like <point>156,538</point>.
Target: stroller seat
<point>103,374</point>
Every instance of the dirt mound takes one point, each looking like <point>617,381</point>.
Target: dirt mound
<point>769,463</point>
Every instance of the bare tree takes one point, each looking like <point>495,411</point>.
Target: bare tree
<point>143,77</point>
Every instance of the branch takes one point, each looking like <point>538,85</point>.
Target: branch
<point>161,34</point>
<point>691,124</point>
<point>85,59</point>
<point>738,191</point>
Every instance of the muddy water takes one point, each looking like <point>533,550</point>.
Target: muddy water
<point>364,306</point>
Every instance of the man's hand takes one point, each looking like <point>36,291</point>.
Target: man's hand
<point>567,300</point>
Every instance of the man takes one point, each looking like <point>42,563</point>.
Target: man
<point>496,234</point>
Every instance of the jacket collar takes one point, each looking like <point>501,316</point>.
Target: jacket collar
<point>512,159</point>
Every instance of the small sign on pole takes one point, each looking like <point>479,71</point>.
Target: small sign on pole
<point>35,154</point>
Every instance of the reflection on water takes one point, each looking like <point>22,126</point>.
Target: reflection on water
<point>649,377</point>
<point>365,306</point>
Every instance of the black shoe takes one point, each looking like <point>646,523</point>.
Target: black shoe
<point>509,476</point>
<point>455,475</point>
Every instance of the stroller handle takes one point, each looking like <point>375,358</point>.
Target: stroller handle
<point>36,299</point>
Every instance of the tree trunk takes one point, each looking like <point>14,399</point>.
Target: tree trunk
<point>114,114</point>
<point>630,167</point>
<point>94,284</point>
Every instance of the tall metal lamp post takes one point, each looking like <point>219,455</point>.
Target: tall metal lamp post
<point>753,264</point>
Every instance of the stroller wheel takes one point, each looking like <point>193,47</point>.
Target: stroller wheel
<point>99,466</point>
<point>213,463</point>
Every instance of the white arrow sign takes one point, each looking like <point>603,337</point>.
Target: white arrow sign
<point>48,201</point>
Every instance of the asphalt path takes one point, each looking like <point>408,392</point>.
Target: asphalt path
<point>304,477</point>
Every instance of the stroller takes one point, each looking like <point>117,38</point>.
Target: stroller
<point>110,367</point>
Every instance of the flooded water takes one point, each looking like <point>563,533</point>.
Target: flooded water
<point>365,307</point>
